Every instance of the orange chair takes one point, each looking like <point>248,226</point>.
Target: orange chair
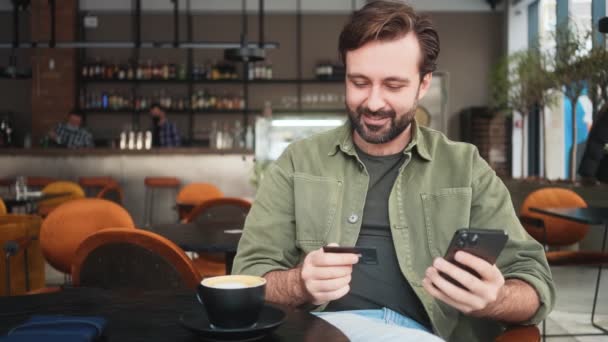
<point>112,192</point>
<point>71,189</point>
<point>520,333</point>
<point>152,184</point>
<point>72,222</point>
<point>2,207</point>
<point>23,264</point>
<point>556,232</point>
<point>95,184</point>
<point>224,209</point>
<point>194,194</point>
<point>119,258</point>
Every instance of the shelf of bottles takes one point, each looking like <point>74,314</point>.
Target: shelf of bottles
<point>209,72</point>
<point>202,100</point>
<point>149,71</point>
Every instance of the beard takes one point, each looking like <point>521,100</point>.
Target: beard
<point>380,134</point>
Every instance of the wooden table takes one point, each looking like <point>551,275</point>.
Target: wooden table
<point>149,316</point>
<point>220,236</point>
<point>591,216</point>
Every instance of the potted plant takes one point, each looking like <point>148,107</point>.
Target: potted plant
<point>520,82</point>
<point>572,69</point>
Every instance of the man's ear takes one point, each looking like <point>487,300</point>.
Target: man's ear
<point>425,85</point>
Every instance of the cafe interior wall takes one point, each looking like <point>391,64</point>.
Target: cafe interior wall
<point>466,61</point>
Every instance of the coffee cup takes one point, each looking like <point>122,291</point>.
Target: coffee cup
<point>232,301</point>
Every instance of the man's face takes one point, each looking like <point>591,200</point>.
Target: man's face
<point>383,87</point>
<point>74,120</point>
<point>156,112</point>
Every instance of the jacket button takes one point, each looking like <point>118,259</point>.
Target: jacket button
<point>353,218</point>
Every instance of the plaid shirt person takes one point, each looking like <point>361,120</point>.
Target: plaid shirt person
<point>168,135</point>
<point>73,137</point>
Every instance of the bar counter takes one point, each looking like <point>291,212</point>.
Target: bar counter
<point>230,170</point>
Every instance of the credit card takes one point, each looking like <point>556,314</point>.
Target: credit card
<point>367,255</point>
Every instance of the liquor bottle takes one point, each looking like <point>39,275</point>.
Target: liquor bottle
<point>131,140</point>
<point>148,70</point>
<point>249,137</point>
<point>182,72</point>
<point>193,102</point>
<point>237,136</point>
<point>267,112</point>
<point>213,135</point>
<point>123,140</point>
<point>130,72</point>
<point>121,73</point>
<point>215,72</point>
<point>251,71</point>
<point>148,140</point>
<point>102,70</point>
<point>97,68</point>
<point>139,73</point>
<point>269,70</point>
<point>241,101</point>
<point>201,100</point>
<point>91,72</point>
<point>139,142</point>
<point>85,71</point>
<point>104,100</point>
<point>165,70</point>
<point>156,71</point>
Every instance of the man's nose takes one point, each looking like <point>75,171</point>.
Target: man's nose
<point>375,101</point>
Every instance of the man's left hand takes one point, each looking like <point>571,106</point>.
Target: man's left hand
<point>483,293</point>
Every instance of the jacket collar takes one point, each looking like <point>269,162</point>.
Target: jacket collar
<point>344,142</point>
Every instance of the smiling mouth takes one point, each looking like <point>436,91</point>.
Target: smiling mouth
<point>375,120</point>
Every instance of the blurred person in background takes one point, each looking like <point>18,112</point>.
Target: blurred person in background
<point>594,165</point>
<point>70,133</point>
<point>164,132</point>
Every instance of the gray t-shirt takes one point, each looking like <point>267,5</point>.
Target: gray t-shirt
<point>381,285</point>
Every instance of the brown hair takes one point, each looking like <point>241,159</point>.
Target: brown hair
<point>389,20</point>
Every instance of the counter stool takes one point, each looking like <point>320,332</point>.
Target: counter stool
<point>92,185</point>
<point>37,183</point>
<point>7,183</point>
<point>156,183</point>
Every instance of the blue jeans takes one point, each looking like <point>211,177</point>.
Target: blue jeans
<point>377,325</point>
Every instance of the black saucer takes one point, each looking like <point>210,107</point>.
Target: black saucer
<point>198,322</point>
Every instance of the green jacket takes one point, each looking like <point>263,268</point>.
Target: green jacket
<point>315,192</point>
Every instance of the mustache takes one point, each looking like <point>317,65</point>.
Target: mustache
<point>378,114</point>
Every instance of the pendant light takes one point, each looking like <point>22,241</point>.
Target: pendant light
<point>246,52</point>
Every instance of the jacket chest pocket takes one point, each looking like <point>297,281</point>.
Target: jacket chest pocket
<point>316,201</point>
<point>445,211</point>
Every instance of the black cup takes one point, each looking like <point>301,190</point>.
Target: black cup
<point>232,301</point>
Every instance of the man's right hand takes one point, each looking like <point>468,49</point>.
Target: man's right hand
<point>326,276</point>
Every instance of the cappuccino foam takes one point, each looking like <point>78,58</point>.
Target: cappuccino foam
<point>230,285</point>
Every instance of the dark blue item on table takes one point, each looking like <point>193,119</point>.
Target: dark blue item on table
<point>52,328</point>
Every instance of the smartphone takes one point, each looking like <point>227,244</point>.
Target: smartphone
<point>486,244</point>
<point>367,255</point>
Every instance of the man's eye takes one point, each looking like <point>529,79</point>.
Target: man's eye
<point>359,84</point>
<point>394,86</point>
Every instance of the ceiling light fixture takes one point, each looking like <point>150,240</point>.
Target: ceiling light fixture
<point>245,52</point>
